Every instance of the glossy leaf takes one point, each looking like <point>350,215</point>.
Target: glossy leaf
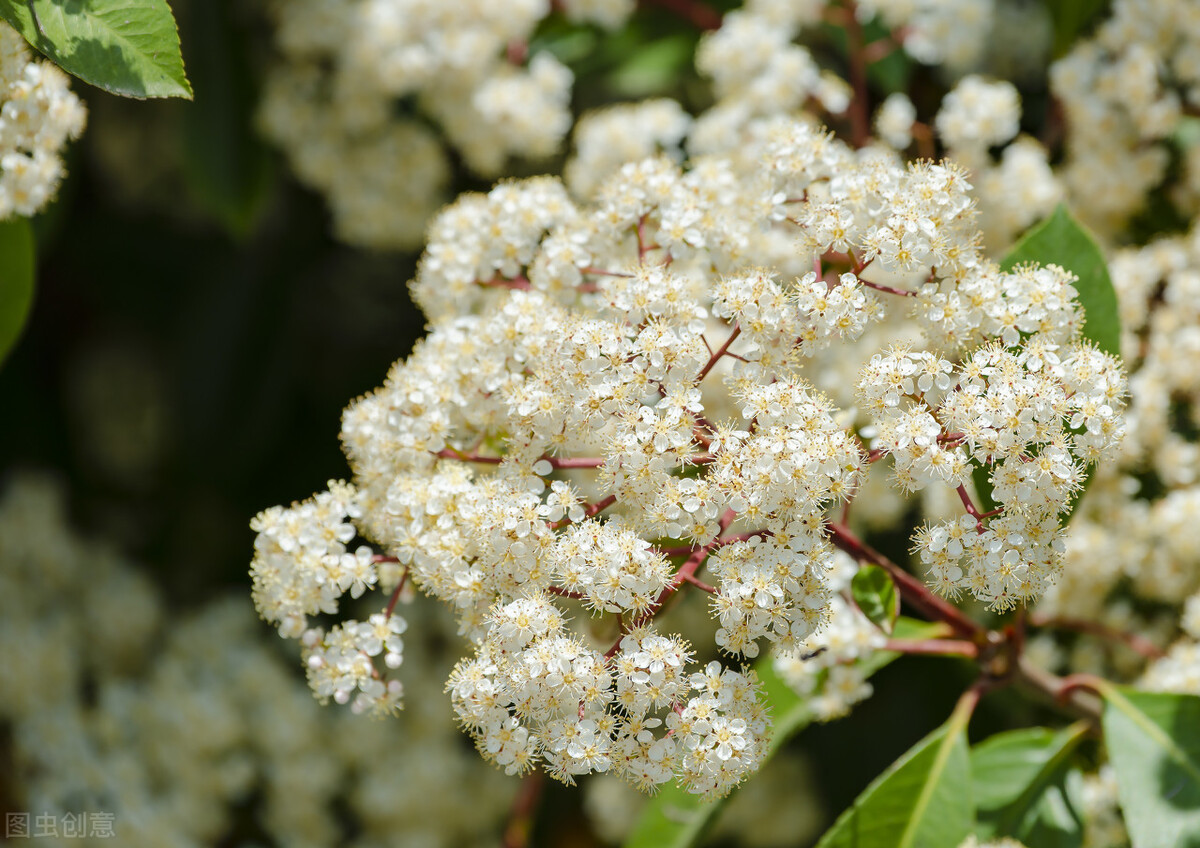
<point>16,280</point>
<point>126,47</point>
<point>1013,771</point>
<point>1057,821</point>
<point>876,596</point>
<point>676,819</point>
<point>1153,740</point>
<point>923,800</point>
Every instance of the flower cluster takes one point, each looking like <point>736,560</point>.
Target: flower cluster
<point>825,668</point>
<point>616,395</point>
<point>357,84</point>
<point>38,113</point>
<point>1031,407</point>
<point>102,674</point>
<point>1124,93</point>
<point>532,690</point>
<point>1132,557</point>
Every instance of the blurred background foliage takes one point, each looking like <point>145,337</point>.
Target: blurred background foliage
<point>197,331</point>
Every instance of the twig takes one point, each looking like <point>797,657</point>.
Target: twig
<point>1135,641</point>
<point>934,647</point>
<point>387,613</point>
<point>712,360</point>
<point>1052,687</point>
<point>888,289</point>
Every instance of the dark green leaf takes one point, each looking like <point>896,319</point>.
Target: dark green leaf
<point>1153,740</point>
<point>875,594</point>
<point>675,819</point>
<point>1012,772</point>
<point>923,800</point>
<point>1057,821</point>
<point>126,47</point>
<point>16,280</point>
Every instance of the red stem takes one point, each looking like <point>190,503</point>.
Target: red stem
<point>712,360</point>
<point>555,462</point>
<point>387,613</point>
<point>970,507</point>
<point>1135,641</point>
<point>934,647</point>
<point>699,584</point>
<point>887,289</point>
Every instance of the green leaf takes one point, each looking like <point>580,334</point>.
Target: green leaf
<point>654,67</point>
<point>1061,240</point>
<point>16,280</point>
<point>1057,821</point>
<point>923,800</point>
<point>1012,772</point>
<point>676,819</point>
<point>1153,741</point>
<point>126,47</point>
<point>876,596</point>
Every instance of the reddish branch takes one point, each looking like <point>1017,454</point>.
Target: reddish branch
<point>888,289</point>
<point>712,360</point>
<point>387,613</point>
<point>555,462</point>
<point>699,584</point>
<point>1135,641</point>
<point>934,647</point>
<point>972,510</point>
<point>1070,692</point>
